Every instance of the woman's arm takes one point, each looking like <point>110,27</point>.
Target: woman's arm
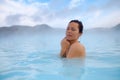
<point>64,47</point>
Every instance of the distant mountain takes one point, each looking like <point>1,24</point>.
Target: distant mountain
<point>42,27</point>
<point>115,30</point>
<point>23,28</point>
<point>117,27</point>
<point>28,30</point>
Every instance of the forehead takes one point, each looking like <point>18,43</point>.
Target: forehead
<point>73,24</point>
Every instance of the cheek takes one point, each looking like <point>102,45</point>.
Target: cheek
<point>76,35</point>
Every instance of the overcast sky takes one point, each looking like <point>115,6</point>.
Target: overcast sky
<point>57,13</point>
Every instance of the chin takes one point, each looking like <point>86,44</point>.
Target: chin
<point>69,39</point>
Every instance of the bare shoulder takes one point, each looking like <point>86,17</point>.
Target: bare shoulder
<point>76,50</point>
<point>77,45</point>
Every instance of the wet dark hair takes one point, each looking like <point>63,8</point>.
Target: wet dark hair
<point>80,25</point>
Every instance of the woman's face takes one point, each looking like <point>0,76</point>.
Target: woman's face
<point>72,32</point>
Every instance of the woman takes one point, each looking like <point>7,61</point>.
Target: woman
<point>70,46</point>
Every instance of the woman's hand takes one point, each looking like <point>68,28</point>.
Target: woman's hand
<point>65,44</point>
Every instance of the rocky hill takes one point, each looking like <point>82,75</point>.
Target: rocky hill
<point>28,30</point>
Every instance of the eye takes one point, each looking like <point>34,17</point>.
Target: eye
<point>73,29</point>
<point>67,28</point>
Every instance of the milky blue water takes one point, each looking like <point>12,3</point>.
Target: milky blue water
<point>36,57</point>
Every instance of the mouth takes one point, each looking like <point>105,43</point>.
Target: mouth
<point>69,35</point>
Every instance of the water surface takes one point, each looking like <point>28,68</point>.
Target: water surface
<point>36,57</point>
